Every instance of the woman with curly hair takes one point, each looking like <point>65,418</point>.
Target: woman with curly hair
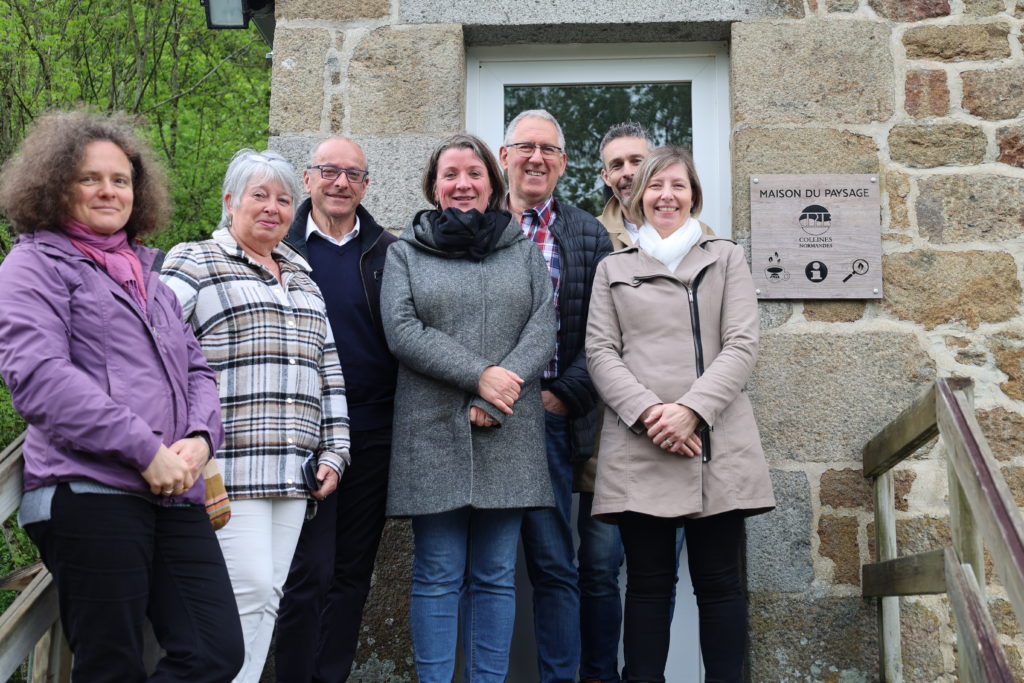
<point>121,406</point>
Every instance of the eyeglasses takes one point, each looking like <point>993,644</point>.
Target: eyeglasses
<point>526,149</point>
<point>354,175</point>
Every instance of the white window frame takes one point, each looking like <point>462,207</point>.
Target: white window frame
<point>705,65</point>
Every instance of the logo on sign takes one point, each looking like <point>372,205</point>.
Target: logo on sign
<point>815,220</point>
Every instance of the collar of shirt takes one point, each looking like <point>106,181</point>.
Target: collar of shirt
<point>545,211</point>
<point>312,227</point>
<point>287,258</point>
<point>632,229</point>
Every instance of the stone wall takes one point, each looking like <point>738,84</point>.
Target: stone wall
<point>929,95</point>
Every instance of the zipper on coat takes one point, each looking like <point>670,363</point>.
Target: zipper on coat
<point>363,255</point>
<point>698,347</point>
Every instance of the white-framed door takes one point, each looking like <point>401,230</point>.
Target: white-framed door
<point>703,65</point>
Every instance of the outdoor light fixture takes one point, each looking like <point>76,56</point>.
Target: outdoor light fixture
<point>238,13</point>
<point>226,13</point>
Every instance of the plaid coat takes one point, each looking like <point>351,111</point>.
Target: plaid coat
<point>281,388</point>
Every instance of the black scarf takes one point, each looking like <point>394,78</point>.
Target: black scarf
<point>470,232</point>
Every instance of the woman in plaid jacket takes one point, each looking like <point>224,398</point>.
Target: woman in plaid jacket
<point>262,324</point>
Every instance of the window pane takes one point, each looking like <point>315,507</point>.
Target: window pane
<point>586,112</point>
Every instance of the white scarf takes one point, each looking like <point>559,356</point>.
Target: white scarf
<point>673,248</point>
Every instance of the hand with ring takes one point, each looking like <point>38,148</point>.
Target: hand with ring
<point>672,427</point>
<point>168,472</point>
<point>479,418</point>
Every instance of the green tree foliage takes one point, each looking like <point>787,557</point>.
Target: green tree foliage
<point>202,94</point>
<point>586,112</point>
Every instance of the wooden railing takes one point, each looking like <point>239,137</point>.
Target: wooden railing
<point>982,510</point>
<point>29,628</point>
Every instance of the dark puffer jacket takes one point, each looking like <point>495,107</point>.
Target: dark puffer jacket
<point>582,243</point>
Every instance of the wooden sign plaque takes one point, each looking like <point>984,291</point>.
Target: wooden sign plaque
<point>816,236</point>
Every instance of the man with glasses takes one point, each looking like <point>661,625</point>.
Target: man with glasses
<point>572,243</point>
<point>318,621</point>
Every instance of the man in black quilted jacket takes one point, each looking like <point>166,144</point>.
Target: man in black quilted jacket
<point>572,243</point>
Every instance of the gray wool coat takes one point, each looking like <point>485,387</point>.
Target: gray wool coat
<point>446,319</point>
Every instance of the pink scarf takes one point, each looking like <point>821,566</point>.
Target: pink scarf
<point>112,253</point>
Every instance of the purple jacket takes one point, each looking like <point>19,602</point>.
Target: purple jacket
<point>99,386</point>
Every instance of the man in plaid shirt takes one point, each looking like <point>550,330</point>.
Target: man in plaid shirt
<point>572,243</point>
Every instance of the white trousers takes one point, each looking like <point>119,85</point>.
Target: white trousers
<point>258,544</point>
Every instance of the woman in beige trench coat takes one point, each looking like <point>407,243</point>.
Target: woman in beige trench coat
<point>671,341</point>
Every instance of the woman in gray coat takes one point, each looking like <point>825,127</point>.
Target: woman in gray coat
<point>671,341</point>
<point>467,309</point>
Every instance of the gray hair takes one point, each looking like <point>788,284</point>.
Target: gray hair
<point>534,114</point>
<point>248,166</point>
<point>626,129</point>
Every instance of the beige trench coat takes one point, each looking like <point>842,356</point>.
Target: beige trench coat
<point>612,220</point>
<point>641,351</point>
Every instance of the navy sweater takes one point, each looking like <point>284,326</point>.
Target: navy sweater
<point>369,367</point>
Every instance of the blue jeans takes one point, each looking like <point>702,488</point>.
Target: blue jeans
<point>550,562</point>
<point>600,557</point>
<point>466,555</point>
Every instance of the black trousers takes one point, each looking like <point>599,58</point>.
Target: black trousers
<point>713,548</point>
<point>322,608</point>
<point>119,559</point>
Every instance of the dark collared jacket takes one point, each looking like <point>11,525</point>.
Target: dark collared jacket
<point>373,246</point>
<point>372,242</point>
<point>582,243</point>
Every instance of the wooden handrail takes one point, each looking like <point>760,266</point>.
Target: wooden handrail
<point>991,502</point>
<point>981,508</point>
<point>913,428</point>
<point>33,616</point>
<point>980,652</point>
<point>19,579</point>
<point>10,477</point>
<point>921,574</point>
<point>30,616</point>
<point>910,430</point>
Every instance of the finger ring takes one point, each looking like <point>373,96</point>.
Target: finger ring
<point>667,443</point>
<point>168,492</point>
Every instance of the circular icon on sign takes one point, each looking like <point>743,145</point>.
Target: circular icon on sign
<point>815,220</point>
<point>816,271</point>
<point>858,267</point>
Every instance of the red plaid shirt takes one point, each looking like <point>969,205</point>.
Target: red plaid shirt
<point>536,226</point>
